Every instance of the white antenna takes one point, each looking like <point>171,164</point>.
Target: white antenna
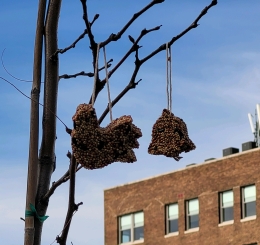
<point>258,113</point>
<point>250,117</point>
<point>255,128</point>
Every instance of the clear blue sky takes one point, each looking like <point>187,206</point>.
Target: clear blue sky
<point>216,76</point>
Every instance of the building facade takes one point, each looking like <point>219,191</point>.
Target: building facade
<point>216,202</point>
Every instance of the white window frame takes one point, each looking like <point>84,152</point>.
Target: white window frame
<point>132,215</point>
<point>243,202</point>
<point>188,215</point>
<point>221,206</point>
<point>168,219</point>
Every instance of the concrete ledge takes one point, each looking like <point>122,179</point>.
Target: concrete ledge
<point>135,242</point>
<point>192,230</point>
<point>172,234</point>
<point>230,222</point>
<point>248,218</point>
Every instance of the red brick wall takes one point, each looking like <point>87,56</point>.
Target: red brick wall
<point>204,181</point>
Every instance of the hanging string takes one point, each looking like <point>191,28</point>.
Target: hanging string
<point>107,82</point>
<point>170,74</point>
<point>95,76</point>
<point>169,77</point>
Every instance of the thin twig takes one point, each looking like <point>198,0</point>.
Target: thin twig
<point>73,45</point>
<point>88,26</point>
<point>193,25</point>
<point>57,183</point>
<point>133,48</point>
<point>132,83</point>
<point>93,47</point>
<point>82,73</point>
<point>94,19</point>
<point>115,37</point>
<point>54,186</point>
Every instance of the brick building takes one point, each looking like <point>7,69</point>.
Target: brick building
<point>216,202</point>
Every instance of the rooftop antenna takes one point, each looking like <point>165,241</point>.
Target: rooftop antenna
<point>255,127</point>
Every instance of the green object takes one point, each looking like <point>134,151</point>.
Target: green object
<point>33,212</point>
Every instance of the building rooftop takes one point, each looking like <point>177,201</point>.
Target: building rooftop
<point>188,167</point>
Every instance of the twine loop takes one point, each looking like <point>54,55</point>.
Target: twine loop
<point>169,77</point>
<point>107,81</point>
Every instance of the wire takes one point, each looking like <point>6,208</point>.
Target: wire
<point>27,81</point>
<point>34,100</point>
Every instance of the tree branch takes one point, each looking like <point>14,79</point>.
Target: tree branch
<point>61,180</point>
<point>138,63</point>
<point>72,207</point>
<point>94,19</point>
<point>135,47</point>
<point>56,184</point>
<point>82,73</point>
<point>93,44</point>
<point>131,85</point>
<point>193,25</point>
<point>115,37</point>
<point>73,45</point>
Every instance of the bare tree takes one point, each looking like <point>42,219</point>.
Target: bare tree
<point>42,165</point>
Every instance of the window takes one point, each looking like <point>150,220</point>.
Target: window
<point>172,214</point>
<point>248,201</point>
<point>131,227</point>
<point>192,213</point>
<point>226,202</point>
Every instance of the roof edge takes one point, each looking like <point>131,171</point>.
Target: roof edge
<point>186,168</point>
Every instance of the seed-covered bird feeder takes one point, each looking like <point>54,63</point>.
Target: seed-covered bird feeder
<point>169,134</point>
<point>96,147</point>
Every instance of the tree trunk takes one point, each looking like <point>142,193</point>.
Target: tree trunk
<point>47,151</point>
<point>32,179</point>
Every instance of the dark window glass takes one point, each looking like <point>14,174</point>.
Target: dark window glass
<point>249,201</point>
<point>250,209</point>
<point>173,225</point>
<point>138,233</point>
<point>226,205</point>
<point>193,221</point>
<point>227,214</point>
<point>125,236</point>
